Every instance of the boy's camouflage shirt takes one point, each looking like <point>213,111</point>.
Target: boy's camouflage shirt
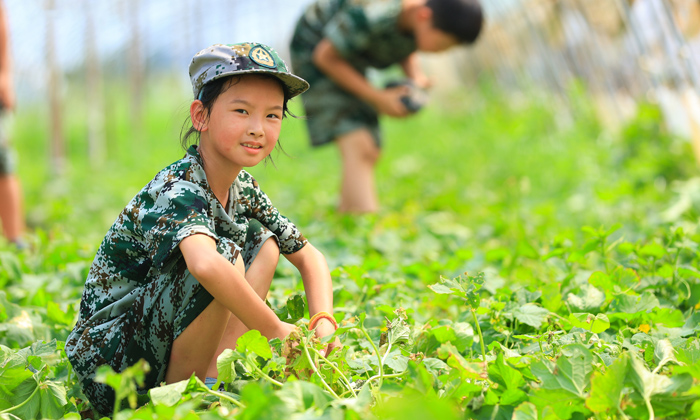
<point>142,244</point>
<point>365,33</point>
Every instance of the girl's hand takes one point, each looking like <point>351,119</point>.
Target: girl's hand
<point>283,330</point>
<point>324,328</point>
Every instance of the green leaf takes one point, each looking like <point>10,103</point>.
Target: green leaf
<point>296,306</point>
<point>589,299</point>
<point>606,388</point>
<point>168,395</point>
<point>398,331</point>
<point>396,361</point>
<point>525,411</point>
<point>633,304</point>
<point>467,289</point>
<point>253,342</point>
<point>52,399</point>
<point>664,353</point>
<point>226,364</point>
<point>505,375</point>
<point>646,382</point>
<point>531,314</point>
<point>562,402</point>
<point>653,250</point>
<point>26,395</point>
<point>593,323</point>
<point>571,372</point>
<point>301,396</point>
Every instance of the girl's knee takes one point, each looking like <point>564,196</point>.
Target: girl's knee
<point>269,252</point>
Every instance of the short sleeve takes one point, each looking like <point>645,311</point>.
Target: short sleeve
<point>290,238</point>
<point>179,209</point>
<point>348,31</point>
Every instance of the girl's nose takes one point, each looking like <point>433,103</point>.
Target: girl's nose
<point>255,128</point>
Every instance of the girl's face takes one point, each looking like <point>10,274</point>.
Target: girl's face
<point>244,123</point>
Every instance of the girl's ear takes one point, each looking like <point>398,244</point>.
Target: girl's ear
<point>198,115</point>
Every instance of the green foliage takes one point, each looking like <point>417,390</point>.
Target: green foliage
<point>582,246</point>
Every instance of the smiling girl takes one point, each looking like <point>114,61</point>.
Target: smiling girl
<point>185,268</point>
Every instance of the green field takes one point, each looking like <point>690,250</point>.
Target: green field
<point>524,266</point>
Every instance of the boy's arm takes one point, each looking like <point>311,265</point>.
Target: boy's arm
<point>330,62</point>
<point>411,67</point>
<point>228,285</point>
<point>318,286</point>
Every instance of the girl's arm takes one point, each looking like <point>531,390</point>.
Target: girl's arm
<point>318,286</point>
<point>228,285</point>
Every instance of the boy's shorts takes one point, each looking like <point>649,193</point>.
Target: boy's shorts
<point>147,331</point>
<point>7,156</point>
<point>330,110</point>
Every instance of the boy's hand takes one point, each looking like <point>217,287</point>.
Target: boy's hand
<point>323,328</point>
<point>388,101</point>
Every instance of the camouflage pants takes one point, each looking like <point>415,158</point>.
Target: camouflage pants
<point>330,110</point>
<point>159,313</point>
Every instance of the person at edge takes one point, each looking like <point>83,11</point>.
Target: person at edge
<point>11,213</point>
<point>184,270</point>
<point>334,43</point>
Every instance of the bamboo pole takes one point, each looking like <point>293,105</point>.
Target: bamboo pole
<point>136,71</point>
<point>93,80</point>
<point>57,148</point>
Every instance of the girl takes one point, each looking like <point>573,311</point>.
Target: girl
<point>184,270</point>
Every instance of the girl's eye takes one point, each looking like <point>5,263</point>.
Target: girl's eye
<point>276,116</point>
<point>241,111</point>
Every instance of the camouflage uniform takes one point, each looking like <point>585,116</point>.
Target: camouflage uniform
<point>366,34</point>
<point>139,295</point>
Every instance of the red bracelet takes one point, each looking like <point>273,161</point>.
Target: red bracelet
<point>322,315</point>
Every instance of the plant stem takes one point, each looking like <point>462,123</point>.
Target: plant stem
<point>391,375</point>
<point>386,353</point>
<point>481,336</point>
<point>23,402</point>
<point>376,351</point>
<point>650,408</point>
<point>622,413</point>
<point>268,378</point>
<point>345,379</point>
<point>305,346</point>
<point>227,398</point>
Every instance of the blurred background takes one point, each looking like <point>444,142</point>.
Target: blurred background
<point>103,93</point>
<point>623,51</point>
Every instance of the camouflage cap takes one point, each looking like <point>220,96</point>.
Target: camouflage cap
<point>222,60</point>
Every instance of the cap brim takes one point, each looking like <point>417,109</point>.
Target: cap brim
<point>295,84</point>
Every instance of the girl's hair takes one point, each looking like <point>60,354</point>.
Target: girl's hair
<point>210,93</point>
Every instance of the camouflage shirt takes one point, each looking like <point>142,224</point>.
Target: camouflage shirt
<point>143,242</point>
<point>365,32</point>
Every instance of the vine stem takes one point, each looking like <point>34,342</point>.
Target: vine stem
<point>386,353</point>
<point>227,398</point>
<point>622,413</point>
<point>267,377</point>
<point>337,369</point>
<point>315,369</point>
<point>650,408</point>
<point>481,336</point>
<point>376,351</point>
<point>23,402</point>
